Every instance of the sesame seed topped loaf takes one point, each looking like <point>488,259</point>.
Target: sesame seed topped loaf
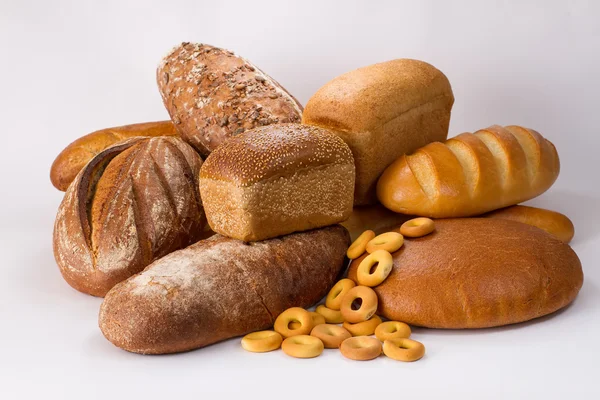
<point>276,180</point>
<point>212,94</point>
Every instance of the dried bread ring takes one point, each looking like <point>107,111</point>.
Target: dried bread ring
<point>317,319</point>
<point>364,328</point>
<point>390,241</point>
<point>403,349</point>
<point>417,227</point>
<point>262,341</point>
<point>359,304</point>
<point>337,293</point>
<point>359,246</point>
<point>361,348</point>
<point>302,346</point>
<point>392,330</point>
<point>294,314</point>
<point>331,335</point>
<point>383,262</point>
<point>331,316</point>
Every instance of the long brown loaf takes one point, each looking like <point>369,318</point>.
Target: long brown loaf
<point>470,174</point>
<point>131,204</point>
<point>552,222</point>
<point>220,288</point>
<point>478,273</point>
<point>74,157</point>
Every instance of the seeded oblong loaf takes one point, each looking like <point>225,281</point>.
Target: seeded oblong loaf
<point>73,158</point>
<point>478,273</point>
<point>212,94</point>
<point>471,174</point>
<point>276,180</point>
<point>220,288</point>
<point>383,111</point>
<point>132,203</point>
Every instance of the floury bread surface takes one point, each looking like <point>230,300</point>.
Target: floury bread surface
<point>220,288</point>
<point>383,111</point>
<point>131,204</point>
<point>478,273</point>
<point>276,180</point>
<point>213,95</point>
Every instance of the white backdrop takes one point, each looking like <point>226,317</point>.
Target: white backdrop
<point>71,67</point>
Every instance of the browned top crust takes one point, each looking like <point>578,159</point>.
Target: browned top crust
<point>274,150</point>
<point>477,273</point>
<point>213,94</point>
<point>366,98</point>
<point>74,157</point>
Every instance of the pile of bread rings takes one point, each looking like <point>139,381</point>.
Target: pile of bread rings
<point>305,334</point>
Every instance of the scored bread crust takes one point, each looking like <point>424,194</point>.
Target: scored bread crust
<point>470,174</point>
<point>73,158</point>
<point>383,111</point>
<point>132,203</point>
<point>221,288</point>
<point>212,94</point>
<point>276,180</point>
<point>478,273</point>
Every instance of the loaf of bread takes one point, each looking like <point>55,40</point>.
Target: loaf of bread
<point>470,174</point>
<point>219,288</point>
<point>376,218</point>
<point>276,180</point>
<point>212,95</point>
<point>131,204</point>
<point>382,112</point>
<point>74,157</point>
<point>478,273</point>
<point>552,222</point>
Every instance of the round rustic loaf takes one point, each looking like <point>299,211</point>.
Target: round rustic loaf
<point>212,95</point>
<point>478,273</point>
<point>131,204</point>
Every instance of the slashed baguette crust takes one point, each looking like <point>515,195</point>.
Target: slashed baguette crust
<point>212,95</point>
<point>478,273</point>
<point>470,174</point>
<point>220,288</point>
<point>73,158</point>
<point>131,204</point>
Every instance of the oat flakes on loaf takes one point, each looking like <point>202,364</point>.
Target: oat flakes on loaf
<point>212,95</point>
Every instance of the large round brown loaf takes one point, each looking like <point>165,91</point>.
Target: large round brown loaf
<point>220,288</point>
<point>212,94</point>
<point>478,273</point>
<point>131,204</point>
